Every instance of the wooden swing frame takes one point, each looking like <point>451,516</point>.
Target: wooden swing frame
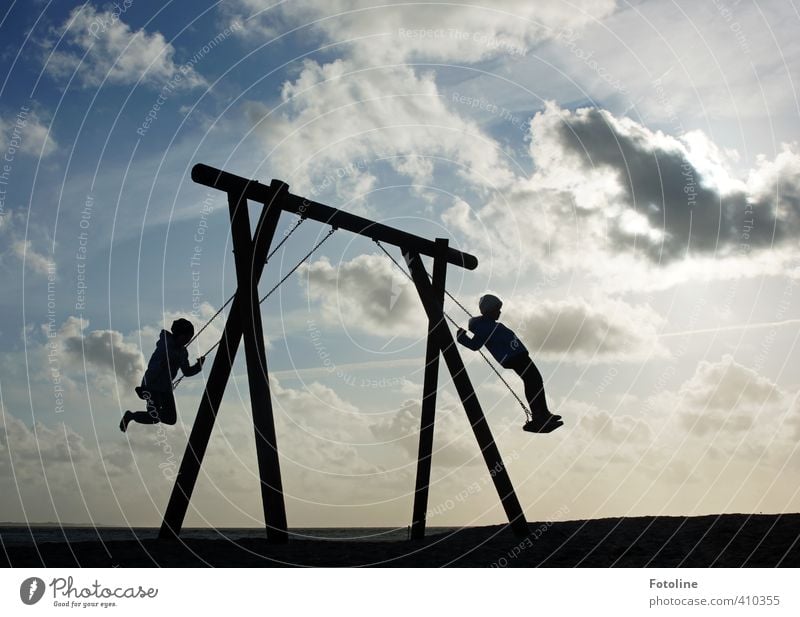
<point>244,323</point>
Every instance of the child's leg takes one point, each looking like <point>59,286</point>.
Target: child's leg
<point>534,385</point>
<point>160,408</point>
<point>144,417</point>
<point>166,408</point>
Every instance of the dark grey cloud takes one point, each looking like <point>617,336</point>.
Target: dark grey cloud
<point>680,203</point>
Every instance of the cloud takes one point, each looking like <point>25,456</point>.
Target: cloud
<point>101,47</point>
<point>40,264</point>
<point>727,396</point>
<point>27,133</point>
<point>343,116</point>
<point>578,330</point>
<point>778,182</point>
<point>694,70</point>
<point>600,438</point>
<point>103,350</point>
<point>337,464</point>
<point>13,228</point>
<point>722,431</point>
<point>115,479</point>
<point>367,294</point>
<point>616,429</point>
<point>627,208</point>
<point>370,106</point>
<point>39,470</point>
<point>61,475</point>
<point>665,197</point>
<point>454,444</point>
<point>793,419</point>
<point>396,32</point>
<point>54,445</point>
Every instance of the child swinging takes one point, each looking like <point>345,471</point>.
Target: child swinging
<point>507,349</point>
<point>156,389</point>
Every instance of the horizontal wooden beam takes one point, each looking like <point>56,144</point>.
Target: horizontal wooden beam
<point>255,191</point>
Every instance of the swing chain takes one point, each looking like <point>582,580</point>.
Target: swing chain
<point>331,231</point>
<point>527,411</point>
<point>208,323</point>
<point>269,293</point>
<point>286,236</point>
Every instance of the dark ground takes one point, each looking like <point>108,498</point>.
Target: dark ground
<point>730,540</point>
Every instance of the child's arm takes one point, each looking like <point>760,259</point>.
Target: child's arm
<point>192,369</point>
<point>477,341</point>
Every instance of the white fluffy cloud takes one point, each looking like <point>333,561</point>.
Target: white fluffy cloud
<point>39,263</point>
<point>454,444</point>
<point>727,396</point>
<point>27,133</point>
<point>54,445</point>
<point>342,116</point>
<point>386,32</point>
<point>578,330</point>
<point>701,67</point>
<point>59,475</point>
<point>367,294</point>
<point>100,46</point>
<point>717,442</point>
<point>13,229</point>
<point>371,110</point>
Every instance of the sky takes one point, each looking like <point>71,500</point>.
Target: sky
<point>626,173</point>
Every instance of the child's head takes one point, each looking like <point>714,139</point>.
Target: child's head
<point>182,330</point>
<point>489,306</point>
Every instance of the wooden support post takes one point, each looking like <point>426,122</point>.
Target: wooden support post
<point>483,434</point>
<point>269,470</point>
<point>429,387</point>
<point>216,382</point>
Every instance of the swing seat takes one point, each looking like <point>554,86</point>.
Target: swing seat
<point>546,426</point>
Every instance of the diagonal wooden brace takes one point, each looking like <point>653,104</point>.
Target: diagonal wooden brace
<point>466,392</point>
<point>218,378</point>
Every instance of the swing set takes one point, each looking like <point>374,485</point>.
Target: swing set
<point>251,254</point>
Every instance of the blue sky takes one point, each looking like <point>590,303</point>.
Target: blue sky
<point>626,173</point>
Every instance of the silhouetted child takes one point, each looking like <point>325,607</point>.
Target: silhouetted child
<point>507,349</point>
<point>156,389</point>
